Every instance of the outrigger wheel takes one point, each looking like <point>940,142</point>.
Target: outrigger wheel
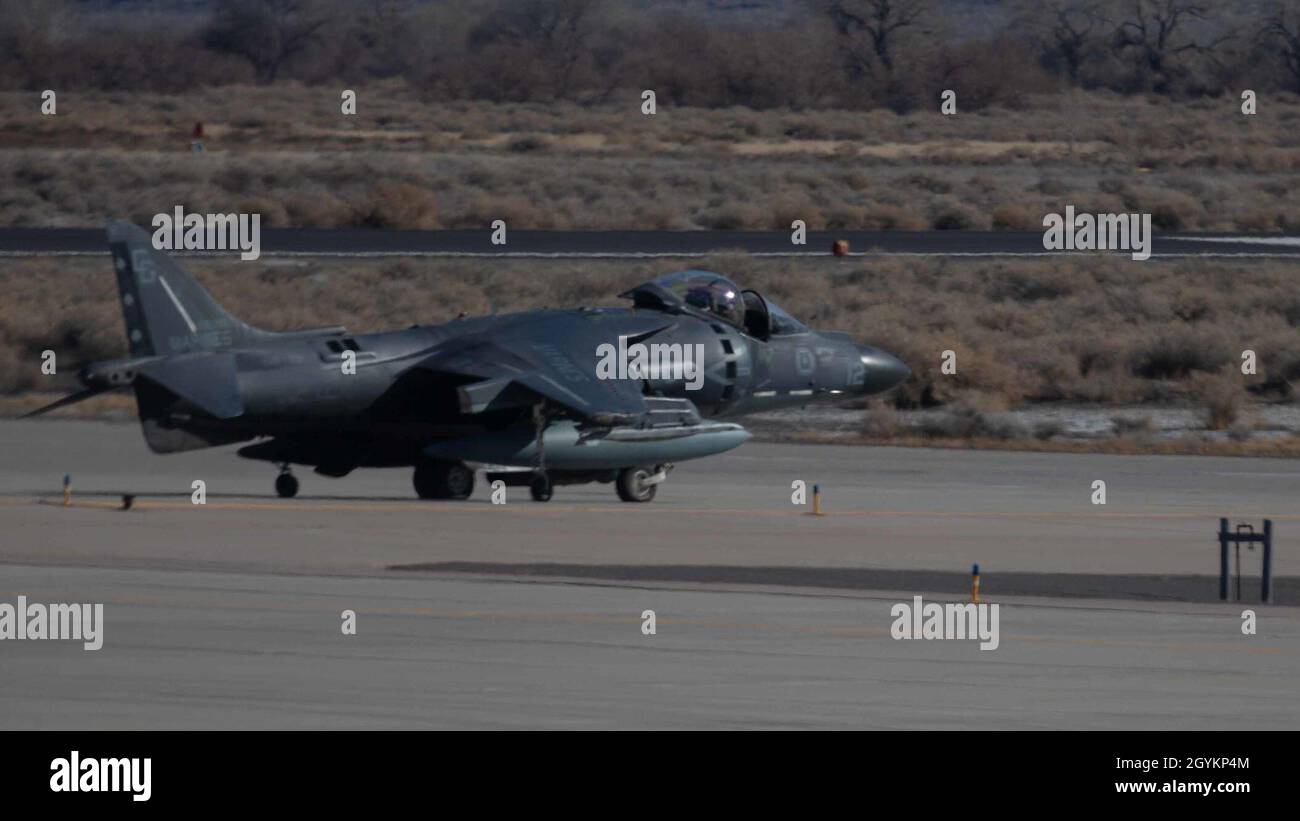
<point>634,484</point>
<point>286,484</point>
<point>541,486</point>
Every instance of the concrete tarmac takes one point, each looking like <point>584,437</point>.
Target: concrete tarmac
<point>529,615</point>
<point>239,651</point>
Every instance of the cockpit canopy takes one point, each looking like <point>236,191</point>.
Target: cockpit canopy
<point>714,295</point>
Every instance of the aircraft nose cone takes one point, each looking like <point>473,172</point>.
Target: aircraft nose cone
<point>883,370</point>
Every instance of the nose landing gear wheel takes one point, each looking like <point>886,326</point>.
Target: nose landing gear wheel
<point>541,489</point>
<point>286,485</point>
<point>633,485</point>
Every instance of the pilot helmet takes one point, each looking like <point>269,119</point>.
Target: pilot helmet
<point>699,296</point>
<point>725,301</point>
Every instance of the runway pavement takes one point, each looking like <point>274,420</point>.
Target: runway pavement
<point>529,615</point>
<point>240,651</point>
<point>641,244</point>
<point>886,509</point>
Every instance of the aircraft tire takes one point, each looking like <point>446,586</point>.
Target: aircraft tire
<point>632,487</point>
<point>459,480</point>
<point>541,489</point>
<point>286,486</point>
<point>443,480</point>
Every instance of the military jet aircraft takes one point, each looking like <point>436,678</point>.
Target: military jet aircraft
<point>539,398</point>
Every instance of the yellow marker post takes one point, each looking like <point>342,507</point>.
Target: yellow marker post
<point>67,490</point>
<point>975,584</point>
<point>817,500</point>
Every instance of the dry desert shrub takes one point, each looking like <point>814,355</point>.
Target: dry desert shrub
<point>272,213</point>
<point>517,212</point>
<point>1221,395</point>
<point>319,210</point>
<point>1241,431</point>
<point>841,216</point>
<point>1018,217</point>
<point>887,217</point>
<point>126,154</point>
<point>399,205</point>
<point>1047,430</point>
<point>881,421</point>
<point>788,207</point>
<point>1178,351</point>
<point>735,216</point>
<point>950,214</point>
<point>1130,426</point>
<point>963,422</point>
<point>1052,329</point>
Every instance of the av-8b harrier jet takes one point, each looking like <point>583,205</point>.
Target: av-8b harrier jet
<point>539,398</point>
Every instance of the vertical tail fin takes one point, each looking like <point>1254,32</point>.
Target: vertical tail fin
<point>166,310</point>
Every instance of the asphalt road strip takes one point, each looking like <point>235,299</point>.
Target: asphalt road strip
<point>523,244</point>
<point>525,255</point>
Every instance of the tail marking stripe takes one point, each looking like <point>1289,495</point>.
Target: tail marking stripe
<point>184,314</point>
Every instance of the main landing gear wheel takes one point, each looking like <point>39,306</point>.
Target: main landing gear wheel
<point>541,488</point>
<point>443,480</point>
<point>286,485</point>
<point>634,484</point>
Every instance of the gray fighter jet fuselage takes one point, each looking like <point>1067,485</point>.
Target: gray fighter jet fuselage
<point>540,397</point>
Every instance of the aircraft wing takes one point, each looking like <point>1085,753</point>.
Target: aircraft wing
<point>520,375</point>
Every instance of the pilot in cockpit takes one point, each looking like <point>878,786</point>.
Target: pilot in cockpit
<point>719,297</point>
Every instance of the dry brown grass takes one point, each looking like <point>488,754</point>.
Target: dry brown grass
<point>1221,396</point>
<point>287,150</point>
<point>1054,329</point>
<point>1072,329</point>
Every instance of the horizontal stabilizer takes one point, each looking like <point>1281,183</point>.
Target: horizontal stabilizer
<point>70,399</point>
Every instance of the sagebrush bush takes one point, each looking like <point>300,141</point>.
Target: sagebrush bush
<point>399,205</point>
<point>1221,396</point>
<point>593,166</point>
<point>1177,352</point>
<point>1051,329</point>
